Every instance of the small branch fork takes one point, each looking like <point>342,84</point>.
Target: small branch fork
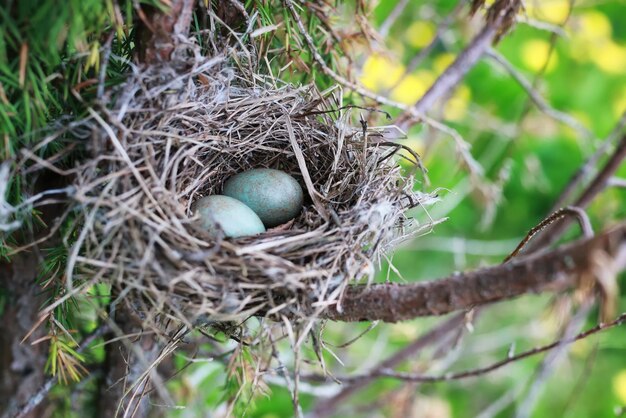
<point>597,185</point>
<point>578,213</point>
<point>500,17</point>
<point>555,270</point>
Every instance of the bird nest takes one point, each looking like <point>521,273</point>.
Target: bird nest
<point>173,137</point>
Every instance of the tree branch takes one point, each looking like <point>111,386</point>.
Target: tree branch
<point>158,35</point>
<point>554,270</point>
<point>412,377</point>
<point>500,16</point>
<point>541,103</point>
<point>597,185</point>
<point>328,407</point>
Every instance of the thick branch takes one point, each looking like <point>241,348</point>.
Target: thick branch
<point>555,270</point>
<point>160,31</point>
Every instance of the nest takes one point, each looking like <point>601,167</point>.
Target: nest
<point>174,136</point>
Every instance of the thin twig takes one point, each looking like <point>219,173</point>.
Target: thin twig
<point>424,52</point>
<point>617,182</point>
<point>328,407</point>
<point>597,185</point>
<point>106,55</point>
<point>587,167</point>
<point>411,377</point>
<point>579,214</point>
<point>317,57</point>
<point>551,360</point>
<point>393,16</point>
<point>537,99</point>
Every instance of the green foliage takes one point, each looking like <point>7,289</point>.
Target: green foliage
<point>64,360</point>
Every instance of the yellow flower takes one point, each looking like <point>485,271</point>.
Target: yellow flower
<point>410,89</point>
<point>593,25</point>
<point>535,53</point>
<point>420,33</point>
<point>404,330</point>
<point>590,31</point>
<point>552,11</point>
<point>456,108</point>
<point>443,61</point>
<point>619,104</point>
<point>619,386</point>
<point>427,77</point>
<point>415,144</point>
<point>380,72</point>
<point>609,56</point>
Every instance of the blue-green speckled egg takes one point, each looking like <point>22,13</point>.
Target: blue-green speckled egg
<point>273,194</point>
<point>234,217</point>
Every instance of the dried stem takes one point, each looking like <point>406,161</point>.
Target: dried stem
<point>579,214</point>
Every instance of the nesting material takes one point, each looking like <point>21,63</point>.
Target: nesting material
<point>173,137</point>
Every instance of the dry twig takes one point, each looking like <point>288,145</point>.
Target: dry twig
<point>411,377</point>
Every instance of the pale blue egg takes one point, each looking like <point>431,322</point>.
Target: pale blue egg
<point>233,217</point>
<point>272,194</point>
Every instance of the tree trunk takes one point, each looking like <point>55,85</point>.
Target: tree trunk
<point>21,364</point>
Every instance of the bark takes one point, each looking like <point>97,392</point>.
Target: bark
<point>159,31</point>
<point>21,364</point>
<point>563,268</point>
<point>124,367</point>
<point>127,358</point>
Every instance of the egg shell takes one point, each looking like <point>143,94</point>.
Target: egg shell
<point>232,216</point>
<point>273,194</point>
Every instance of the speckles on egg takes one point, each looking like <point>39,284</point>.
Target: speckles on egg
<point>272,194</point>
<point>233,217</point>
